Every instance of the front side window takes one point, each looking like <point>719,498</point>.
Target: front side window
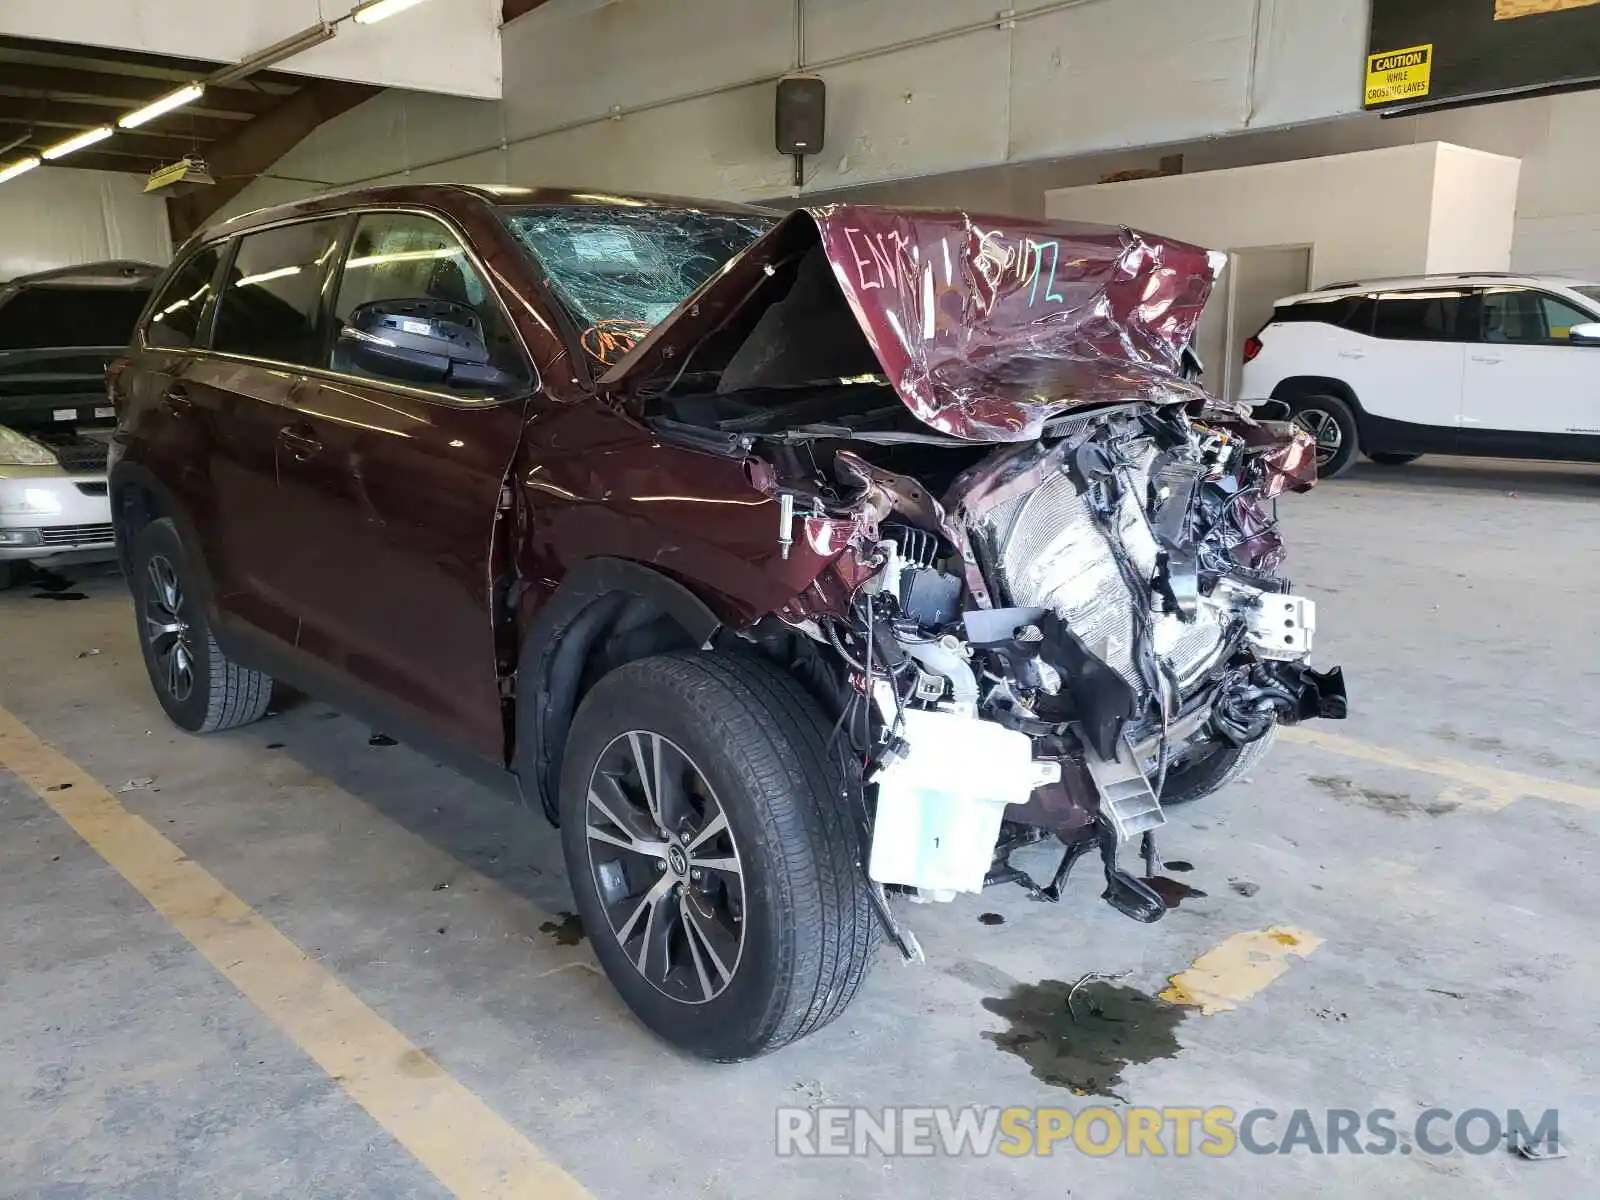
<point>1520,315</point>
<point>1434,316</point>
<point>271,300</point>
<point>412,308</point>
<point>51,318</point>
<point>619,270</point>
<point>175,319</point>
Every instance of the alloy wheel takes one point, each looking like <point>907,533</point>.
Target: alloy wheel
<point>1324,430</point>
<point>666,866</point>
<point>167,630</point>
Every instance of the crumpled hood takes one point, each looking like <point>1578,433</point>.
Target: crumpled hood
<point>986,327</point>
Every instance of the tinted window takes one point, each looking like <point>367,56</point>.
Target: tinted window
<point>50,317</point>
<point>1347,312</point>
<point>272,297</point>
<point>178,308</point>
<point>396,258</point>
<point>1520,315</point>
<point>1422,316</point>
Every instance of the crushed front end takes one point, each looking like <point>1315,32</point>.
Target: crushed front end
<point>1040,566</point>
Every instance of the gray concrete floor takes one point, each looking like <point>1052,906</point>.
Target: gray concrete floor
<point>1458,965</point>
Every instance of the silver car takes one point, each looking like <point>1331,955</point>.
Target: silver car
<point>58,331</point>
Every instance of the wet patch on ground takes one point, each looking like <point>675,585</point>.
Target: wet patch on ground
<point>1395,804</point>
<point>1172,892</point>
<point>567,929</point>
<point>1086,1047</point>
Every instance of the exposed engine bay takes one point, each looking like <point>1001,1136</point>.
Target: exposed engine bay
<point>1049,561</point>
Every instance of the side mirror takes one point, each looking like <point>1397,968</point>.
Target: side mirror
<point>1586,334</point>
<point>422,341</point>
<point>1270,410</point>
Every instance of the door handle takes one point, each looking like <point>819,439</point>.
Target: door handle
<point>1491,359</point>
<point>1352,354</point>
<point>300,441</point>
<point>178,398</point>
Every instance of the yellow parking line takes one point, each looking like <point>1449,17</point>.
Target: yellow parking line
<point>1236,969</point>
<point>1502,787</point>
<point>471,1149</point>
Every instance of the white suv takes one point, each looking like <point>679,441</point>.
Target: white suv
<point>1503,365</point>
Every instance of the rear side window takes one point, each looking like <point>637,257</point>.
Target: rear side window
<point>271,301</point>
<point>40,318</point>
<point>1347,312</point>
<point>176,317</point>
<point>1423,317</point>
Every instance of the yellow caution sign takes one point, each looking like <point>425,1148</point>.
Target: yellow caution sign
<point>1399,75</point>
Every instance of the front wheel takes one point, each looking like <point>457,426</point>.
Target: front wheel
<point>1332,426</point>
<point>712,858</point>
<point>1211,772</point>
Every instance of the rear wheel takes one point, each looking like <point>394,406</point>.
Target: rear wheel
<point>1393,460</point>
<point>1332,426</point>
<point>711,858</point>
<point>199,686</point>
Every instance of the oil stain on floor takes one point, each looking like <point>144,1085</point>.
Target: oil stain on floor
<point>1085,1048</point>
<point>567,931</point>
<point>1173,892</point>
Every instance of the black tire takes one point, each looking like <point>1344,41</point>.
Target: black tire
<point>6,571</point>
<point>1211,774</point>
<point>808,930</point>
<point>1328,414</point>
<point>1393,460</point>
<point>213,692</point>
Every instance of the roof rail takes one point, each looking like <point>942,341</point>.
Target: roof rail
<point>1436,277</point>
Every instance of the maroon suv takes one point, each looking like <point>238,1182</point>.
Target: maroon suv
<point>786,562</point>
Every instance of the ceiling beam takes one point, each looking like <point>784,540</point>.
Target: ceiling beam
<point>237,160</point>
<point>120,143</point>
<point>126,90</point>
<point>90,160</point>
<point>64,114</point>
<point>158,67</point>
<point>510,10</point>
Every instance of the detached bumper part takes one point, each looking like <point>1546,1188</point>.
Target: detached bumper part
<point>940,807</point>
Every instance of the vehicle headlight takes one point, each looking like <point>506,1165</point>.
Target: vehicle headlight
<point>19,451</point>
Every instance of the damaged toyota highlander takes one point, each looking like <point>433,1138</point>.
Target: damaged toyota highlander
<point>790,564</point>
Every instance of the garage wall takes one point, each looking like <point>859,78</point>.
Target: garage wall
<point>450,46</point>
<point>676,95</point>
<point>1302,203</point>
<point>1558,200</point>
<point>53,217</point>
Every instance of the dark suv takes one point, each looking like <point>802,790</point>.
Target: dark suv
<point>781,561</point>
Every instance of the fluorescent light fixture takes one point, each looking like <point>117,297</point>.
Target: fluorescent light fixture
<point>157,108</point>
<point>87,138</point>
<point>378,10</point>
<point>298,43</point>
<point>21,166</point>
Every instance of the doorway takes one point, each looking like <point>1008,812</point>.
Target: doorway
<point>1256,278</point>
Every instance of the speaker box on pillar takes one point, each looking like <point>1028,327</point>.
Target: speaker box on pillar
<point>802,107</point>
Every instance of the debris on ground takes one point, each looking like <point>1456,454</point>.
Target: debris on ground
<point>1244,887</point>
<point>1092,977</point>
<point>137,785</point>
<point>381,739</point>
<point>90,653</point>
